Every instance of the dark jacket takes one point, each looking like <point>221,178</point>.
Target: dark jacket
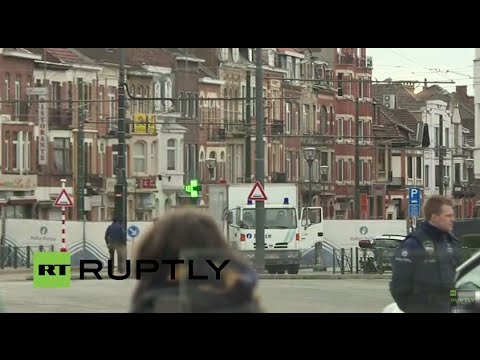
<point>115,234</point>
<point>234,292</point>
<point>423,270</point>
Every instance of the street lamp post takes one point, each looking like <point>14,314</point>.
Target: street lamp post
<point>323,176</point>
<point>310,153</point>
<point>446,181</point>
<point>211,164</point>
<point>464,189</point>
<point>469,163</point>
<point>319,264</point>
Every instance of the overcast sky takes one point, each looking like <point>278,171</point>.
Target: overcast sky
<point>434,64</point>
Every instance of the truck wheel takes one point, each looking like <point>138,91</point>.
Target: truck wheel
<point>293,269</point>
<point>271,269</point>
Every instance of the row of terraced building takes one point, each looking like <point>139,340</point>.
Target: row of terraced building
<point>312,98</point>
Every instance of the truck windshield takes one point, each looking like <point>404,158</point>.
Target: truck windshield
<point>275,218</point>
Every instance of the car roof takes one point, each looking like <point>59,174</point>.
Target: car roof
<point>468,262</point>
<point>390,237</point>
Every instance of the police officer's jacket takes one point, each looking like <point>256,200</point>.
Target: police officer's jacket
<point>424,268</point>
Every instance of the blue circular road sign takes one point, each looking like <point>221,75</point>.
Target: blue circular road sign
<point>133,231</point>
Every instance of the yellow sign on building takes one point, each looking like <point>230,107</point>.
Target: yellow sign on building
<point>144,124</point>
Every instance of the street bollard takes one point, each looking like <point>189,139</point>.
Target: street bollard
<point>319,266</point>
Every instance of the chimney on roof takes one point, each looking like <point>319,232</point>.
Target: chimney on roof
<point>461,90</point>
<point>425,84</point>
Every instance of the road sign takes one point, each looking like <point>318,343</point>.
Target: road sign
<point>414,202</point>
<point>257,193</point>
<point>37,91</point>
<point>414,196</point>
<point>414,210</point>
<point>133,231</point>
<point>64,199</point>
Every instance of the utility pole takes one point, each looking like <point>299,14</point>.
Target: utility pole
<point>81,154</point>
<point>259,166</point>
<point>248,139</point>
<point>440,155</point>
<point>120,186</point>
<point>357,160</point>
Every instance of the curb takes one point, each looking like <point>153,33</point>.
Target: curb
<point>323,277</point>
<point>73,277</point>
<point>10,271</point>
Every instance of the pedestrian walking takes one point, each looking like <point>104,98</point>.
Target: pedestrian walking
<point>117,243</point>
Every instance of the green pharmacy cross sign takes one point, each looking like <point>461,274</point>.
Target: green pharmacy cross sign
<point>193,188</point>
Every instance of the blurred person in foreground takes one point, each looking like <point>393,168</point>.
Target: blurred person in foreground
<point>175,234</point>
<point>424,265</point>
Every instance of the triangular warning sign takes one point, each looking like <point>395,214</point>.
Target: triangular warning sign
<point>64,199</point>
<point>257,193</point>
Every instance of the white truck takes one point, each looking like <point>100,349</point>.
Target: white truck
<point>288,232</point>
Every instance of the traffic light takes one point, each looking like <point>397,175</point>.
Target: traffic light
<point>119,211</point>
<point>193,188</point>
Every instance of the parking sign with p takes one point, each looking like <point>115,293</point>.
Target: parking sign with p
<point>414,196</point>
<point>414,201</point>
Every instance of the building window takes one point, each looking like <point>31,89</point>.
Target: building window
<point>323,120</point>
<point>115,160</point>
<point>410,167</point>
<point>7,151</point>
<point>139,157</point>
<point>153,156</point>
<point>288,161</point>
<point>340,127</point>
<point>340,170</point>
<point>27,148</point>
<point>418,173</point>
<point>15,152</point>
<point>168,94</point>
<point>62,155</point>
<point>18,80</point>
<point>111,101</point>
<point>171,154</point>
<point>426,182</point>
<point>288,110</point>
<point>7,86</point>
<point>157,92</point>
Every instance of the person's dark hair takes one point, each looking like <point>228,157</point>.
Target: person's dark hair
<point>115,219</point>
<point>434,204</point>
<point>173,234</point>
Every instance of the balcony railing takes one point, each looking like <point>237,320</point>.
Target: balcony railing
<point>278,177</point>
<point>216,134</point>
<point>59,118</point>
<point>395,181</point>
<point>20,111</point>
<point>96,181</point>
<point>235,128</point>
<point>277,127</point>
<point>346,59</point>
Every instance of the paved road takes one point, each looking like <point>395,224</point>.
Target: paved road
<point>280,296</point>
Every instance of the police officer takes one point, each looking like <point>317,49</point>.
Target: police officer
<point>424,265</point>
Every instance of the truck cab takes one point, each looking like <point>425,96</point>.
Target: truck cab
<point>282,237</point>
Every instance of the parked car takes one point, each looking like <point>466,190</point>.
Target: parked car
<point>379,252</point>
<point>467,278</point>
